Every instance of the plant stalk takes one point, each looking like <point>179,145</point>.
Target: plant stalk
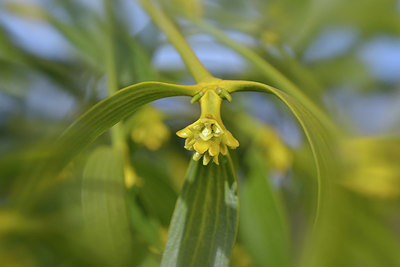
<point>196,68</point>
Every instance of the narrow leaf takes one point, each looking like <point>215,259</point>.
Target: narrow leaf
<point>204,224</point>
<point>320,139</point>
<point>113,109</point>
<point>95,122</point>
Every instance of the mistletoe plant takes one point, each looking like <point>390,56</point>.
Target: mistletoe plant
<point>204,225</point>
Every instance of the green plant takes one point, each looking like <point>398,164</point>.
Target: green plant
<point>125,203</point>
<point>199,231</point>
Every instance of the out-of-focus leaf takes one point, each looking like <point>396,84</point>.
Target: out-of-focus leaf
<point>80,36</point>
<point>204,225</point>
<point>263,224</point>
<point>27,10</point>
<point>155,192</point>
<point>8,51</point>
<point>149,262</point>
<point>347,69</point>
<point>298,22</point>
<point>15,61</point>
<point>104,208</point>
<point>136,68</point>
<point>148,229</point>
<point>191,8</point>
<point>353,234</point>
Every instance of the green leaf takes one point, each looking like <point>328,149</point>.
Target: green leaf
<point>147,228</point>
<point>113,109</point>
<point>354,233</point>
<point>191,8</point>
<point>95,122</point>
<point>263,223</point>
<point>204,225</point>
<point>104,207</point>
<point>320,139</point>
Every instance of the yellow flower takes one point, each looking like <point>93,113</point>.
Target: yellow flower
<point>207,138</point>
<point>148,128</point>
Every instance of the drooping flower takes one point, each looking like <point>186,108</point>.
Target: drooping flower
<point>207,138</point>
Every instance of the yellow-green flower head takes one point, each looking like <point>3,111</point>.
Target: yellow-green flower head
<point>149,128</point>
<point>208,138</point>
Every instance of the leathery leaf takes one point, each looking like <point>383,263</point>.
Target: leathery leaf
<point>204,224</point>
<point>322,141</point>
<point>94,123</point>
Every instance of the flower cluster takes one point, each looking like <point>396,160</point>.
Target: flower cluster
<point>208,138</point>
<point>148,128</point>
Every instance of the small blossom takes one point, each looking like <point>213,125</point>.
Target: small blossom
<point>149,129</point>
<point>207,138</point>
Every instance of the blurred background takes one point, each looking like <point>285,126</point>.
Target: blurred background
<point>344,55</point>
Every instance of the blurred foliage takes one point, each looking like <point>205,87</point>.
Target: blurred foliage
<point>55,218</point>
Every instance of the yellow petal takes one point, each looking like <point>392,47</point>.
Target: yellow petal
<point>184,133</point>
<point>201,146</point>
<point>230,140</point>
<point>190,148</point>
<point>196,126</point>
<point>189,142</point>
<point>196,156</point>
<point>223,149</point>
<point>214,148</point>
<point>215,160</point>
<point>206,159</point>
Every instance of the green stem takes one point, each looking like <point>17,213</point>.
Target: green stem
<point>117,137</point>
<point>196,68</point>
<point>210,104</point>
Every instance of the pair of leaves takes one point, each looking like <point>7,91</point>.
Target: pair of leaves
<point>184,242</point>
<point>203,227</point>
<point>113,109</point>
